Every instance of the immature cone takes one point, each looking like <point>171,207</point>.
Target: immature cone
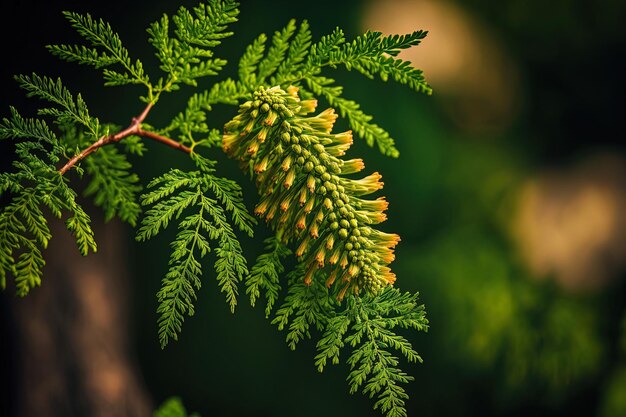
<point>295,161</point>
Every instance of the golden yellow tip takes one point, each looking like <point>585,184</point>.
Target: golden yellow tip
<point>302,199</point>
<point>308,106</point>
<point>301,222</point>
<point>308,277</point>
<point>342,293</point>
<point>253,148</point>
<point>313,231</point>
<point>302,247</point>
<point>309,205</point>
<point>291,175</point>
<point>293,91</point>
<point>331,279</point>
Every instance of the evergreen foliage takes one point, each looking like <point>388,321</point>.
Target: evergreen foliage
<point>341,287</point>
<point>173,407</point>
<point>265,274</point>
<point>188,55</point>
<point>69,111</point>
<point>35,186</point>
<point>113,186</point>
<point>107,50</point>
<point>169,196</point>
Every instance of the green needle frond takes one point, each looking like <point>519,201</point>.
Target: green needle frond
<point>106,50</point>
<point>265,274</point>
<point>306,198</point>
<point>206,229</point>
<point>341,286</point>
<point>68,110</point>
<point>188,55</point>
<point>367,326</point>
<point>296,60</point>
<point>276,53</point>
<point>250,60</point>
<point>34,188</point>
<point>113,186</point>
<point>306,307</point>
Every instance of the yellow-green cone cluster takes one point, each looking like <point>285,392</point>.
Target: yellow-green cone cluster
<point>303,195</point>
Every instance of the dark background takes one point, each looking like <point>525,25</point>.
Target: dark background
<point>541,104</point>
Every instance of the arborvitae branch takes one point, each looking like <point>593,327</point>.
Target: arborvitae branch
<point>23,225</point>
<point>171,195</point>
<point>188,55</point>
<point>305,307</point>
<point>296,161</point>
<point>265,274</point>
<point>69,110</point>
<point>107,50</point>
<point>341,286</point>
<point>367,325</point>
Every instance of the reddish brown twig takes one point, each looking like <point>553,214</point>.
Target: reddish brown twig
<point>133,129</point>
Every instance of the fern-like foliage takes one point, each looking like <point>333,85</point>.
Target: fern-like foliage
<point>367,326</point>
<point>67,109</point>
<point>177,192</point>
<point>306,307</point>
<point>295,159</point>
<point>265,274</point>
<point>34,186</point>
<point>106,50</point>
<point>341,287</point>
<point>189,55</point>
<point>112,183</point>
<point>305,197</point>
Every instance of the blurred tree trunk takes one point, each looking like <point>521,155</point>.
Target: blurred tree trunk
<point>71,335</point>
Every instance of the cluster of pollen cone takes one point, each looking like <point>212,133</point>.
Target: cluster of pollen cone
<point>305,195</point>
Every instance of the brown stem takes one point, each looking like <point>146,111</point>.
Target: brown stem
<point>169,142</point>
<point>100,142</point>
<point>133,129</point>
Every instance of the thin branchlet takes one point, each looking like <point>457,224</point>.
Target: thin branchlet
<point>134,129</point>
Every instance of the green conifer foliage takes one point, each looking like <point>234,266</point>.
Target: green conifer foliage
<point>341,289</point>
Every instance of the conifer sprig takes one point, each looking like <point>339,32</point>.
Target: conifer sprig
<point>305,307</point>
<point>341,286</point>
<point>265,274</point>
<point>68,110</point>
<point>106,50</point>
<point>367,326</point>
<point>308,201</point>
<point>134,129</point>
<point>34,186</point>
<point>113,185</point>
<point>189,56</point>
<point>173,194</point>
<point>173,407</point>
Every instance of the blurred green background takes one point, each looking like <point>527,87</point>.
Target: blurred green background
<point>509,195</point>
